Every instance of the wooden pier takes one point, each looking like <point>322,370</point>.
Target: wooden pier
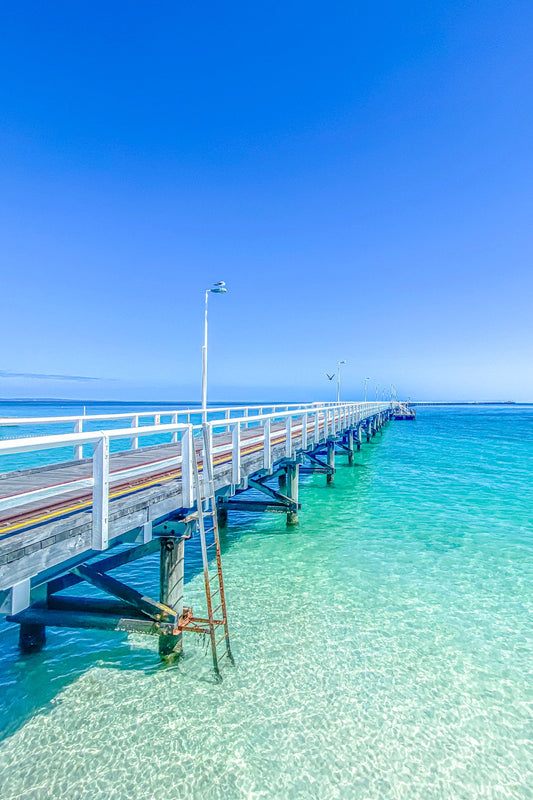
<point>57,520</point>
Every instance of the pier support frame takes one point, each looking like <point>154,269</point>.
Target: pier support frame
<point>330,459</point>
<point>350,446</point>
<point>171,578</point>
<point>32,637</point>
<point>222,514</point>
<point>293,471</point>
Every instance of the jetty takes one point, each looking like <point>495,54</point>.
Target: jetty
<point>125,486</point>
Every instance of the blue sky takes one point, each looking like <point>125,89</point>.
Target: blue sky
<point>358,173</point>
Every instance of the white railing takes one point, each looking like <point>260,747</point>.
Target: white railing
<point>331,418</point>
<point>184,415</point>
<point>100,478</point>
<point>305,421</point>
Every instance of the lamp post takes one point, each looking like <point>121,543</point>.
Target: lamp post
<point>339,379</point>
<point>377,390</point>
<point>217,288</point>
<point>366,381</point>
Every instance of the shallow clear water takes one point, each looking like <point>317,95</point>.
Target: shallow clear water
<point>383,648</point>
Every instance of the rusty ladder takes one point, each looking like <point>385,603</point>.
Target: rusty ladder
<point>217,621</point>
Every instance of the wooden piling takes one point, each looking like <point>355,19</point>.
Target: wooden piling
<point>171,591</point>
<point>350,446</point>
<point>330,459</point>
<point>293,471</point>
<point>222,515</point>
<point>32,637</point>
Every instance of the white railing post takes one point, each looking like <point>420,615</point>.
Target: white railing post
<point>236,453</point>
<point>205,464</point>
<point>227,416</point>
<point>267,453</point>
<point>210,446</point>
<point>304,431</point>
<point>174,438</point>
<point>100,532</point>
<point>187,444</point>
<point>288,437</point>
<point>135,439</point>
<point>78,448</point>
<point>317,428</point>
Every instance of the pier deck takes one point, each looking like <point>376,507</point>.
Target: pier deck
<point>54,519</point>
<point>36,533</point>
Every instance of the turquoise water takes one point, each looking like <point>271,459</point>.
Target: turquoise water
<point>383,647</point>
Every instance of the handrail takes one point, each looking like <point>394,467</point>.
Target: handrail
<point>10,421</point>
<point>56,440</point>
<point>100,469</point>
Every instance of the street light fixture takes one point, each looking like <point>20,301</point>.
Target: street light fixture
<point>366,381</point>
<point>217,288</point>
<point>339,379</point>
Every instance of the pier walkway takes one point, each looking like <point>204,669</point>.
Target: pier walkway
<point>105,489</point>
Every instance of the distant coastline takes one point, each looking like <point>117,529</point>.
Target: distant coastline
<point>195,403</point>
<point>466,403</point>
